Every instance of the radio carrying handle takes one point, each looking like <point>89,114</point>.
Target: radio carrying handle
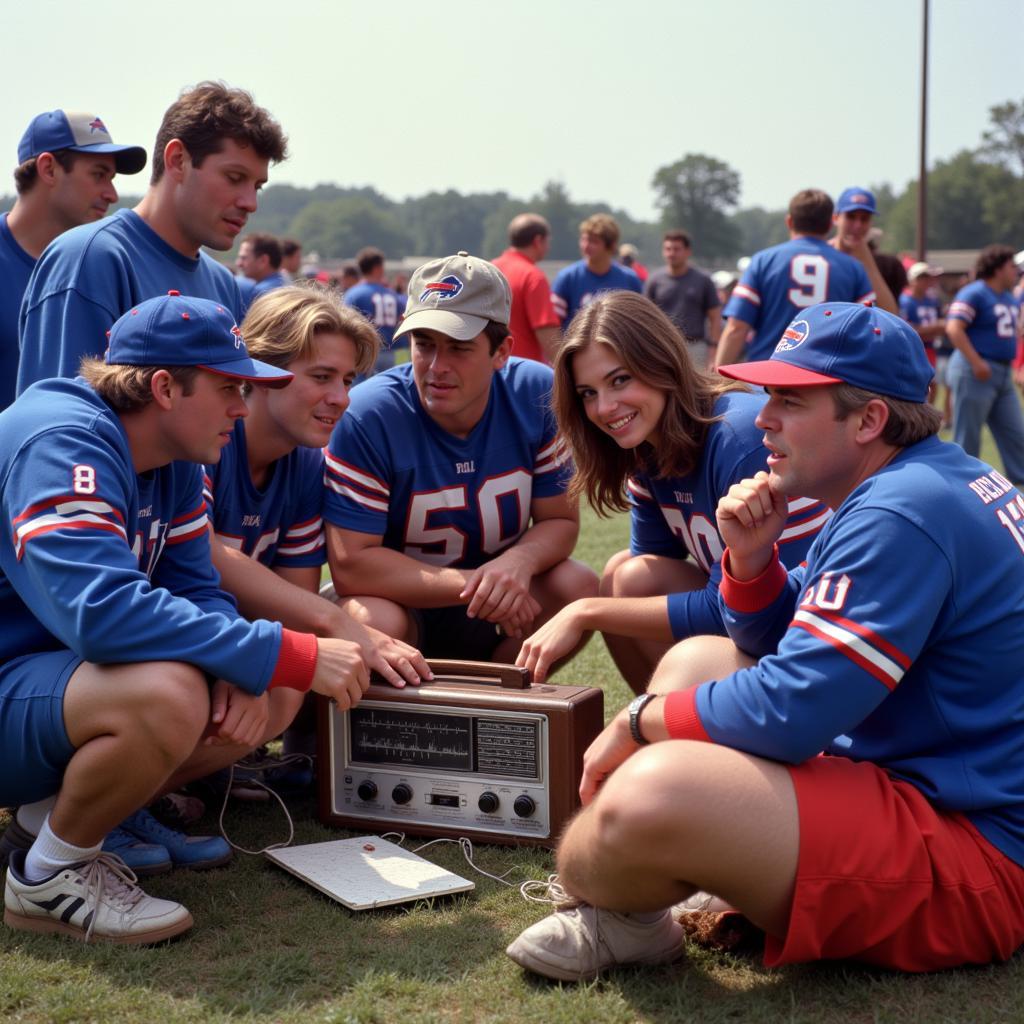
<point>508,677</point>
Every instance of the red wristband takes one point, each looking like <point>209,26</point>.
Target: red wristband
<point>750,596</point>
<point>296,661</point>
<point>681,718</point>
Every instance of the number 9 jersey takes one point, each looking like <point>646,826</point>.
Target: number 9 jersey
<point>450,501</point>
<point>786,278</point>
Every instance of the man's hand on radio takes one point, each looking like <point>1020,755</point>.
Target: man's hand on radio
<point>605,754</point>
<point>236,717</point>
<point>341,671</point>
<point>556,639</point>
<point>499,591</point>
<point>397,662</point>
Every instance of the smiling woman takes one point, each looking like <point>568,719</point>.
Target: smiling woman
<point>652,433</point>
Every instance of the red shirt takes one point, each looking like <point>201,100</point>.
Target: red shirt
<point>531,303</point>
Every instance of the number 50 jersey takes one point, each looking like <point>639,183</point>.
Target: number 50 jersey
<point>450,501</point>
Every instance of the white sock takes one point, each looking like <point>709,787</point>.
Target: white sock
<point>49,854</point>
<point>31,816</point>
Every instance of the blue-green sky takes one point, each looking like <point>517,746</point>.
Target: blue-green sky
<point>414,96</point>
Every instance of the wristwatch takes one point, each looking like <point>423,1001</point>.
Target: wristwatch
<point>636,706</point>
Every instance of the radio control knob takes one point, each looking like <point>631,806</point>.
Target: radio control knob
<point>524,806</point>
<point>488,802</point>
<point>401,794</point>
<point>367,790</point>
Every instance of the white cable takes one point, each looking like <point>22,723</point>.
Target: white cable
<point>256,764</point>
<point>464,843</point>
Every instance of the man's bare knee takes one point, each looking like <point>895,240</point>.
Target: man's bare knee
<point>697,660</point>
<point>177,707</point>
<point>567,581</point>
<point>380,613</point>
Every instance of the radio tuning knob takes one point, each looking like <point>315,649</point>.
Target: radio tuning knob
<point>524,806</point>
<point>401,794</point>
<point>367,790</point>
<point>488,802</point>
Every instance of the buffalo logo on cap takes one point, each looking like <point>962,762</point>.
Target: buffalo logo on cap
<point>793,336</point>
<point>447,288</point>
<point>97,125</point>
<point>858,197</point>
<point>239,340</point>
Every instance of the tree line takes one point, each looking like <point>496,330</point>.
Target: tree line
<point>974,198</point>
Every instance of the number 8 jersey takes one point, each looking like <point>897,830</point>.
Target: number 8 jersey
<point>450,501</point>
<point>786,278</point>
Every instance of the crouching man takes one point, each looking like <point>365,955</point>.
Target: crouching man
<point>847,768</point>
<point>124,669</point>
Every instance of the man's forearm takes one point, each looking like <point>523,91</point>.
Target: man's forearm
<point>377,571</point>
<point>732,342</point>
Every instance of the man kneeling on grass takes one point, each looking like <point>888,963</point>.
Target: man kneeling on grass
<point>124,669</point>
<point>897,650</point>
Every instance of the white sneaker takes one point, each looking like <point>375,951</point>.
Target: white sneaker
<point>577,944</point>
<point>97,899</point>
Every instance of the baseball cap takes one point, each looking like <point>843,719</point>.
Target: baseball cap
<point>81,133</point>
<point>856,198</point>
<point>844,343</point>
<point>456,295</point>
<point>181,330</point>
<point>922,269</point>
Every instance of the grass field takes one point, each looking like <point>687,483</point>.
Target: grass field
<point>268,948</point>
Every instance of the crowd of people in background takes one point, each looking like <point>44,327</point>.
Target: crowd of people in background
<point>185,451</point>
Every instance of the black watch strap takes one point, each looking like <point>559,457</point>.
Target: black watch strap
<point>636,707</point>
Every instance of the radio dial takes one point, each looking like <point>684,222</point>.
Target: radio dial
<point>367,791</point>
<point>524,806</point>
<point>401,794</point>
<point>488,802</point>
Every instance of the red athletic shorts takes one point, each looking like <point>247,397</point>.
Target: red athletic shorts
<point>885,878</point>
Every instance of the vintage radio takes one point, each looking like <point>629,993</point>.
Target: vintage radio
<point>477,752</point>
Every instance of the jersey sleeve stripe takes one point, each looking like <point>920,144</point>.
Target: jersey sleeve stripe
<point>193,528</point>
<point>70,503</point>
<point>806,527</point>
<point>802,504</point>
<point>858,650</point>
<point>361,499</point>
<point>638,491</point>
<point>960,310</point>
<point>867,634</point>
<point>559,304</point>
<point>47,524</point>
<point>560,458</point>
<point>304,548</point>
<point>336,467</point>
<point>310,526</point>
<point>748,293</point>
<point>200,509</point>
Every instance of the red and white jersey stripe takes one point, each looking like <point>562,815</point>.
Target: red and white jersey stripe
<point>65,513</point>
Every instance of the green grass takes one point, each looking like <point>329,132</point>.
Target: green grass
<point>266,947</point>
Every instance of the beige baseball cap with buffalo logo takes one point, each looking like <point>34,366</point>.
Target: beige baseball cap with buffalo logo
<point>457,296</point>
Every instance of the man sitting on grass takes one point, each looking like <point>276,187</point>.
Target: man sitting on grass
<point>124,669</point>
<point>897,651</point>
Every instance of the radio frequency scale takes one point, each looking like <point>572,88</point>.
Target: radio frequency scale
<point>478,751</point>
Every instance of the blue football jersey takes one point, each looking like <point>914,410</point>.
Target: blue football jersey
<point>278,524</point>
<point>111,564</point>
<point>675,516</point>
<point>900,642</point>
<point>446,500</point>
<point>379,304</point>
<point>787,278</point>
<point>990,318</point>
<point>577,286</point>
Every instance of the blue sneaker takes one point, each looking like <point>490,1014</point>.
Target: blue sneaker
<point>196,852</point>
<point>145,859</point>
